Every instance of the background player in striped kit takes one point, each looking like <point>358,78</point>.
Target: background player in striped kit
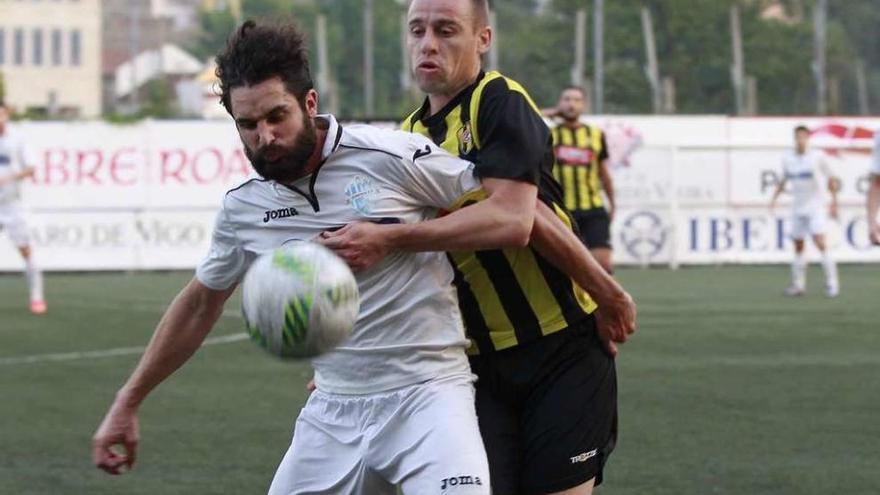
<point>13,169</point>
<point>802,168</point>
<point>582,170</point>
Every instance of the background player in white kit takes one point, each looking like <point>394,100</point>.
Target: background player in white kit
<point>394,404</point>
<point>873,196</point>
<point>13,169</point>
<point>808,174</point>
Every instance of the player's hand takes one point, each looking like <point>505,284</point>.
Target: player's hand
<point>833,211</point>
<point>360,244</point>
<point>616,319</point>
<point>311,387</point>
<point>114,446</point>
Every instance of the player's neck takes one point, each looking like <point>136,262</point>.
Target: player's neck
<point>571,123</point>
<point>437,101</point>
<point>800,151</point>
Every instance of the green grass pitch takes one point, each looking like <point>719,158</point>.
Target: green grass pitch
<point>728,388</point>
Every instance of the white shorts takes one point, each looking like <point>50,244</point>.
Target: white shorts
<point>423,438</point>
<point>12,222</point>
<point>807,224</point>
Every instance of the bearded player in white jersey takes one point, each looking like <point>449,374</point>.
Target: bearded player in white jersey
<point>394,405</point>
<point>807,172</point>
<point>13,169</point>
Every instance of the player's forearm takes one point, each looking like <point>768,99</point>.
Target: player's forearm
<point>608,185</point>
<point>776,193</point>
<point>483,225</point>
<point>558,244</point>
<point>178,335</point>
<point>873,203</point>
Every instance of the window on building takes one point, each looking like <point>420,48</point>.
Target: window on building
<point>75,48</point>
<point>37,46</point>
<point>56,47</point>
<point>18,47</point>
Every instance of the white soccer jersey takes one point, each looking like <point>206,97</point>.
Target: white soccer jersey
<point>409,329</point>
<point>11,163</point>
<point>808,175</point>
<point>875,162</point>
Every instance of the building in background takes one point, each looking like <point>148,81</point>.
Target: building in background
<point>50,56</point>
<point>137,29</point>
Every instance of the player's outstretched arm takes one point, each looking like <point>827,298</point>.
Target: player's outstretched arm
<point>503,219</point>
<point>616,315</point>
<point>776,193</point>
<point>178,335</point>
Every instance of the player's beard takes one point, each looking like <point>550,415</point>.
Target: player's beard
<point>291,161</point>
<point>570,115</point>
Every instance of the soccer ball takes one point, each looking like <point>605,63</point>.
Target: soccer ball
<point>299,301</point>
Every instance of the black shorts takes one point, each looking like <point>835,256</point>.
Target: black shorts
<point>595,227</point>
<point>547,412</point>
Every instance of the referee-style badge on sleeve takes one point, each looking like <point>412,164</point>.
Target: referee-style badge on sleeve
<point>465,139</point>
<point>360,193</point>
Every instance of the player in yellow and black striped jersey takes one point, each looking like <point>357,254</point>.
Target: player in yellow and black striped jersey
<point>582,170</point>
<point>513,296</point>
<point>546,394</point>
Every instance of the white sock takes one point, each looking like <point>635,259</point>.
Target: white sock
<point>34,279</point>
<point>799,271</point>
<point>830,269</point>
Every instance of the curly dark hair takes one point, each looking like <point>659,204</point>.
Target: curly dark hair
<point>260,51</point>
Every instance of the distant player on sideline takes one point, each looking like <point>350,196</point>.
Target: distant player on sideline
<point>13,169</point>
<point>802,168</point>
<point>873,196</point>
<point>582,169</point>
<point>394,405</point>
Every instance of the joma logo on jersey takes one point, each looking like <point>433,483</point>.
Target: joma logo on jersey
<point>460,481</point>
<point>583,457</point>
<point>281,213</point>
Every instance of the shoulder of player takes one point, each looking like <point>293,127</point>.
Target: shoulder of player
<point>497,87</point>
<point>244,190</point>
<point>397,144</point>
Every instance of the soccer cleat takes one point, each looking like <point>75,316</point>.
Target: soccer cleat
<point>832,291</point>
<point>38,307</point>
<point>794,291</point>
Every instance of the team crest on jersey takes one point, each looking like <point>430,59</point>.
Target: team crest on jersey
<point>465,139</point>
<point>360,193</point>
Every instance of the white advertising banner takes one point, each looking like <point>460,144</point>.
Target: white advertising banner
<point>689,189</point>
<point>125,197</point>
<point>697,190</point>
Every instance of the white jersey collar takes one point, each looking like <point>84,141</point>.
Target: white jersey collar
<point>334,134</point>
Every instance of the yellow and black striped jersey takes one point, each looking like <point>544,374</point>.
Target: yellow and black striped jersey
<point>579,152</point>
<point>508,297</point>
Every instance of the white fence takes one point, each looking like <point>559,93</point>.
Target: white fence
<point>690,190</point>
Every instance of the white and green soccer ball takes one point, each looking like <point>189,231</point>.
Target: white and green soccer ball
<point>299,301</point>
